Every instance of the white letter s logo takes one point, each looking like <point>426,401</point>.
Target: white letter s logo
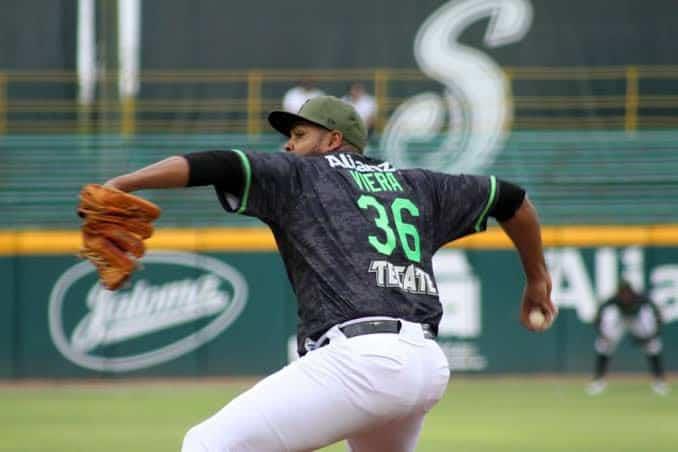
<point>477,95</point>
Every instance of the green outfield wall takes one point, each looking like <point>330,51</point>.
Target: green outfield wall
<point>567,99</point>
<point>206,307</point>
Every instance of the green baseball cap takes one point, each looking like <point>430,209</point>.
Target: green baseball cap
<point>328,112</point>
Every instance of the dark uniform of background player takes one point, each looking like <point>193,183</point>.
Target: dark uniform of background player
<point>628,311</point>
<point>357,237</point>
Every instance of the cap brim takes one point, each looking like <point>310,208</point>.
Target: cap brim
<point>283,121</point>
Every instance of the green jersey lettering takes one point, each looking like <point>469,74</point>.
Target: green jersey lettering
<point>395,185</point>
<point>376,181</point>
<point>407,233</point>
<point>383,182</point>
<point>366,201</point>
<point>357,179</point>
<point>370,182</point>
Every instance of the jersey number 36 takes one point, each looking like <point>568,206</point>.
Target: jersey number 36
<point>407,233</point>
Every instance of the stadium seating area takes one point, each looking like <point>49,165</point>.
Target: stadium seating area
<point>582,177</point>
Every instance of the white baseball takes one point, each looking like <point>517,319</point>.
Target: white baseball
<point>537,319</point>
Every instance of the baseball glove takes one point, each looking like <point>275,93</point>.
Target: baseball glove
<point>115,225</point>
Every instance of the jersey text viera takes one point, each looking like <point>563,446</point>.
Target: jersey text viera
<point>373,182</point>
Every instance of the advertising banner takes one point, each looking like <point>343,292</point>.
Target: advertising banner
<point>215,314</point>
<point>183,314</point>
<point>480,292</point>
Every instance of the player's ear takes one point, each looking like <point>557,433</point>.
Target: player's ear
<point>336,140</point>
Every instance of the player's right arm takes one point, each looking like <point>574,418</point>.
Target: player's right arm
<point>525,232</point>
<point>465,202</point>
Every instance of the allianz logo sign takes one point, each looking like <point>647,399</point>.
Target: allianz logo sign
<point>215,295</point>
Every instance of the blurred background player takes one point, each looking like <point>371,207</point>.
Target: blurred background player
<point>628,311</point>
<point>296,96</point>
<point>364,104</point>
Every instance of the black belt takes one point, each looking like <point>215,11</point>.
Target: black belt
<point>377,326</point>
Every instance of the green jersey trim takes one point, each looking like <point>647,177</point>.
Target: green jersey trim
<point>248,180</point>
<point>490,201</point>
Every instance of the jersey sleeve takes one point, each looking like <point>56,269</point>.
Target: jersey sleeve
<point>461,204</point>
<point>271,185</point>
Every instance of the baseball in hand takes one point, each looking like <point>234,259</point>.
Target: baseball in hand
<point>537,319</point>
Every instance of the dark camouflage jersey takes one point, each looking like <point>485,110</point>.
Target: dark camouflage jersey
<point>356,235</point>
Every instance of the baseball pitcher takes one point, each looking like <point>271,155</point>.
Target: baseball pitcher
<point>357,237</point>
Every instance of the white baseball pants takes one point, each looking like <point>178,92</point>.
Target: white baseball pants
<point>372,390</point>
<point>613,326</point>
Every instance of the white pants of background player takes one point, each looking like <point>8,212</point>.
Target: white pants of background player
<point>613,326</point>
<point>372,390</point>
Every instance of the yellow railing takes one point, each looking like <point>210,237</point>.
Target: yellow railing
<point>631,105</point>
<point>626,98</point>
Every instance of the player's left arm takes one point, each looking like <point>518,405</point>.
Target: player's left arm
<point>256,184</point>
<point>172,172</point>
<point>518,218</point>
<point>190,170</point>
